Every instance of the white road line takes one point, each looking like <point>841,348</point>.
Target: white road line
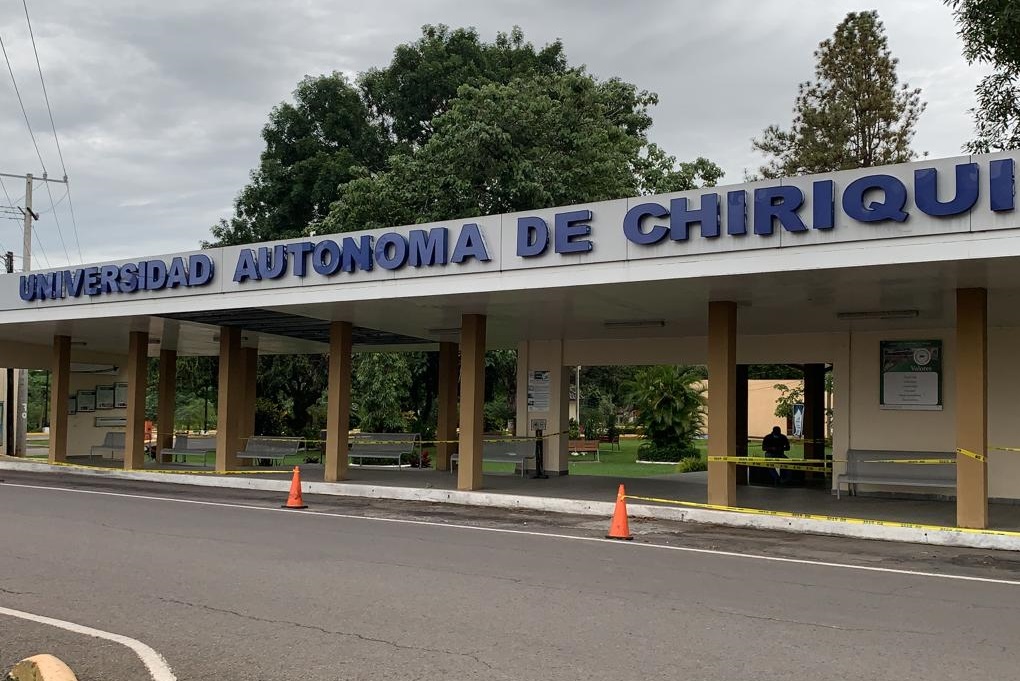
<point>532,533</point>
<point>159,670</point>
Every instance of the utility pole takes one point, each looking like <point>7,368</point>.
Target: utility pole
<point>9,425</point>
<point>21,434</point>
<point>21,426</point>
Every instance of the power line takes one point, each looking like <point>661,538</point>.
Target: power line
<point>9,202</point>
<point>56,220</point>
<point>22,103</point>
<point>38,243</point>
<point>56,139</point>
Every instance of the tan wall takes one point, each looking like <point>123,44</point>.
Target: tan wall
<point>81,431</point>
<point>761,405</point>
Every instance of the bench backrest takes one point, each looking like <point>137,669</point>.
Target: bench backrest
<point>521,448</point>
<point>114,439</point>
<point>582,445</point>
<point>198,443</point>
<point>866,463</point>
<point>384,442</point>
<point>272,445</point>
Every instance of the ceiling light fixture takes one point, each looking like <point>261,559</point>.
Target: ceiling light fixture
<point>878,314</point>
<point>633,323</point>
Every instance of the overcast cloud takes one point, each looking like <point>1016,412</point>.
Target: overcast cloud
<point>159,105</point>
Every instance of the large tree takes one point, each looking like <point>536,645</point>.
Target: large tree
<point>855,113</point>
<point>990,30</point>
<point>313,146</point>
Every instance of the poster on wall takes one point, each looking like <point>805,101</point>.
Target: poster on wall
<point>798,420</point>
<point>86,400</point>
<point>120,395</point>
<point>104,397</point>
<point>72,405</point>
<point>911,375</point>
<point>538,390</point>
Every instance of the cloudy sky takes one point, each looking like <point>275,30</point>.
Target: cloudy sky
<point>159,105</point>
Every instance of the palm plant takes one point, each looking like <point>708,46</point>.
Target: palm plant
<point>670,405</point>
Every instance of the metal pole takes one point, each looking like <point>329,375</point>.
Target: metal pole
<point>577,395</point>
<point>21,436</point>
<point>9,427</point>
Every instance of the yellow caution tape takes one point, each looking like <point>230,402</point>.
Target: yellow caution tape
<point>782,464</point>
<point>914,461</point>
<point>171,470</point>
<point>973,455</point>
<point>1006,449</point>
<point>838,519</point>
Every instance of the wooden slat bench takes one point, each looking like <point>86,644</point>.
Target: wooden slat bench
<point>870,467</point>
<point>584,446</point>
<point>504,451</point>
<point>612,440</point>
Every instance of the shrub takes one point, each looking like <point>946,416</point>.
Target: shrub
<point>649,451</point>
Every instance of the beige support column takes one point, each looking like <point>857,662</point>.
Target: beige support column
<point>166,407</point>
<point>229,400</point>
<point>722,403</point>
<point>472,401</point>
<point>250,368</point>
<point>137,375</point>
<point>338,401</point>
<point>60,390</point>
<point>446,424</point>
<point>972,407</point>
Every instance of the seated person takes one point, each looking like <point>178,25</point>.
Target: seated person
<point>775,445</point>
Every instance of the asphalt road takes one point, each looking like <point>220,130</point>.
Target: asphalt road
<point>353,591</point>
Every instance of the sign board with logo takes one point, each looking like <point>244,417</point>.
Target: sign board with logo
<point>911,375</point>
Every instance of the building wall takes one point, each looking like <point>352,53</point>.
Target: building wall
<point>81,430</point>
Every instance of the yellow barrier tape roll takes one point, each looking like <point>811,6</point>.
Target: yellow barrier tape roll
<point>767,460</point>
<point>831,518</point>
<point>973,455</point>
<point>781,464</point>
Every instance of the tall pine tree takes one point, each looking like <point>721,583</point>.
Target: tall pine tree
<point>855,113</point>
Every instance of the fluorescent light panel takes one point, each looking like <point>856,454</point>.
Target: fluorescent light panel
<point>633,323</point>
<point>878,314</point>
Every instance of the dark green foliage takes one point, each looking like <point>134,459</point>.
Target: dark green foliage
<point>990,30</point>
<point>670,404</point>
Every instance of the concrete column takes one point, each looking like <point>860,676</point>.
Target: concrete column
<point>472,401</point>
<point>167,405</point>
<point>741,400</point>
<point>722,402</point>
<point>546,356</point>
<point>972,407</point>
<point>137,375</point>
<point>338,401</point>
<point>60,390</point>
<point>814,411</point>
<point>446,424</point>
<point>230,399</point>
<point>250,368</point>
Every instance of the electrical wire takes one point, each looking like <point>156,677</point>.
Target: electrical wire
<point>22,103</point>
<point>56,140</point>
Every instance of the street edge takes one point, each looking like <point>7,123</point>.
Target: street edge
<point>850,527</point>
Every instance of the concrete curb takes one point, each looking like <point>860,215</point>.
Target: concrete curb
<point>41,668</point>
<point>849,527</point>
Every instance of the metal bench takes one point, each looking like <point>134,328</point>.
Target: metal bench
<point>391,446</point>
<point>584,446</point>
<point>268,447</point>
<point>113,442</point>
<point>504,451</point>
<point>872,467</point>
<point>186,446</point>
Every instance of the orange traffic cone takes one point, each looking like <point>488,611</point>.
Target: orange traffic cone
<point>294,499</point>
<point>619,529</point>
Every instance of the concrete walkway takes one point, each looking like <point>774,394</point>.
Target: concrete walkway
<point>900,519</point>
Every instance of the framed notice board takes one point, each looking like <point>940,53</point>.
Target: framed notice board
<point>911,376</point>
